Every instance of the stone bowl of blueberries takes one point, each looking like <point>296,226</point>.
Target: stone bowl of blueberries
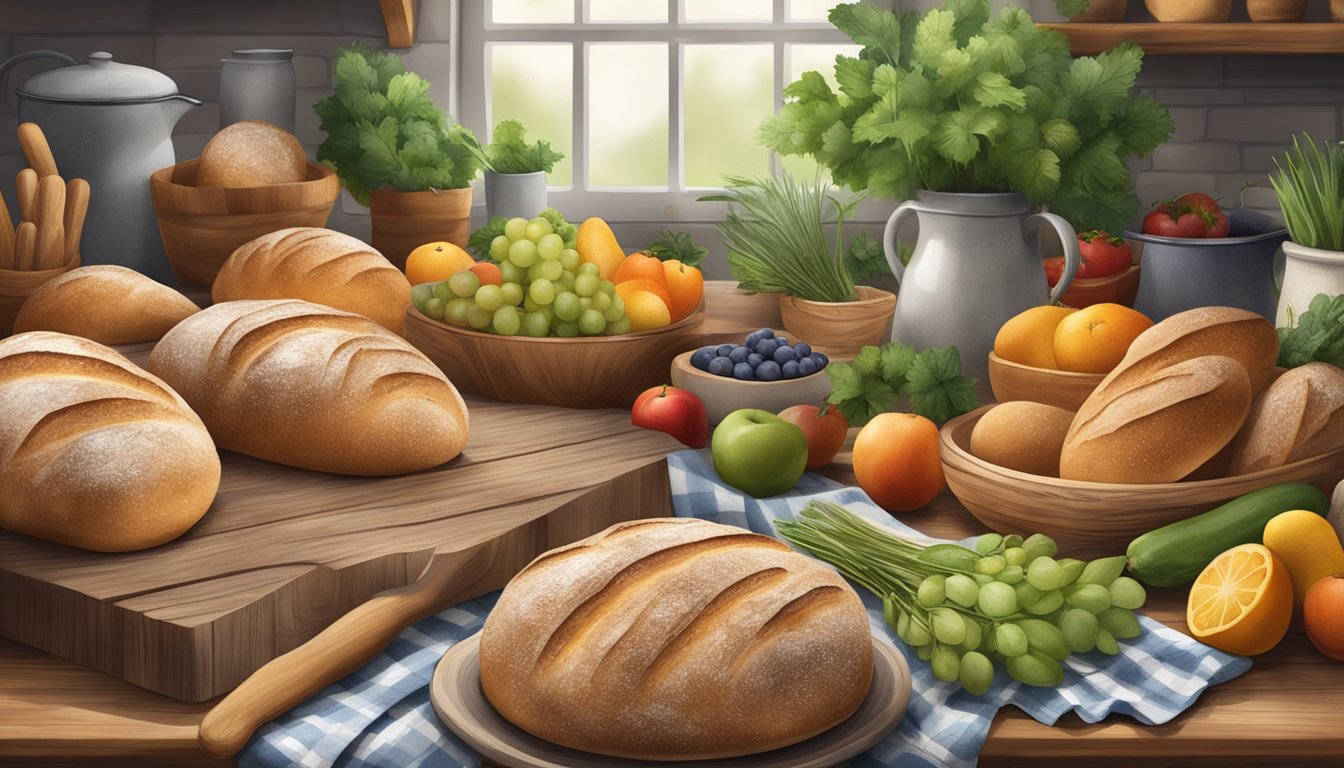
<point>767,371</point>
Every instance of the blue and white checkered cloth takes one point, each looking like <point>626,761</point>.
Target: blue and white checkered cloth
<point>381,715</point>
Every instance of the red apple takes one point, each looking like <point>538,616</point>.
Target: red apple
<point>677,412</point>
<point>824,427</point>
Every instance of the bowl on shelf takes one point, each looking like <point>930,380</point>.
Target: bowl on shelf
<point>202,226</point>
<point>1189,10</point>
<point>1120,288</point>
<point>1097,519</point>
<point>724,394</point>
<point>1015,381</point>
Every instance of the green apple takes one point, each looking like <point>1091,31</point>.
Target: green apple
<point>757,452</point>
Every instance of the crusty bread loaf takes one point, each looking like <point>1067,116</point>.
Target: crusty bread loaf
<point>105,303</point>
<point>1299,416</point>
<point>313,387</point>
<point>1022,435</point>
<point>676,639</point>
<point>95,452</point>
<point>320,266</point>
<point>1162,428</point>
<point>252,153</point>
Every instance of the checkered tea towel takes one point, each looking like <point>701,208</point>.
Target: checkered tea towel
<point>381,715</point>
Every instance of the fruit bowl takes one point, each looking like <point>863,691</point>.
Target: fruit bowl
<point>1015,381</point>
<point>1120,288</point>
<point>1097,519</point>
<point>723,394</point>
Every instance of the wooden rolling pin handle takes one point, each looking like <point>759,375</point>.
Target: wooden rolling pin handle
<point>36,150</point>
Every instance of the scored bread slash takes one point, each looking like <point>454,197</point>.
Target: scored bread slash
<point>76,208</point>
<point>50,223</point>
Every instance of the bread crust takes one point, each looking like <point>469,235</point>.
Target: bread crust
<point>1298,416</point>
<point>252,153</point>
<point>105,303</point>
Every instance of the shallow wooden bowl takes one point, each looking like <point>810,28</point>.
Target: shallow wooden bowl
<point>723,394</point>
<point>840,329</point>
<point>580,372</point>
<point>16,285</point>
<point>202,226</point>
<point>1097,519</point>
<point>1120,288</point>
<point>1014,381</point>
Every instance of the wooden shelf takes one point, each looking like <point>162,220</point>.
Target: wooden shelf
<point>1222,38</point>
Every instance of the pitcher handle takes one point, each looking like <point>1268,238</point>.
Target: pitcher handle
<point>19,58</point>
<point>903,211</point>
<point>1069,238</point>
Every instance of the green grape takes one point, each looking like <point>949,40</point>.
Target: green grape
<point>456,311</point>
<point>1080,630</point>
<point>1015,556</point>
<point>567,328</point>
<point>569,259</point>
<point>918,632</point>
<point>1010,640</point>
<point>534,271</point>
<point>567,306</point>
<point>538,228</point>
<point>997,600</point>
<point>530,304</point>
<point>1045,574</point>
<point>433,308</point>
<point>600,302</point>
<point>924,652</point>
<point>890,612</point>
<point>586,284</point>
<point>615,310</point>
<point>512,273</point>
<point>977,673</point>
<point>974,635</point>
<point>589,269</point>
<point>962,590</point>
<point>988,543</point>
<point>607,287</point>
<point>499,247</point>
<point>948,628</point>
<point>1092,598</point>
<point>464,284</point>
<point>585,302</point>
<point>515,228</point>
<point>1102,571</point>
<point>1106,643</point>
<point>1127,593</point>
<point>549,247</point>
<point>990,565</point>
<point>542,291</point>
<point>1045,638</point>
<point>1049,603</point>
<point>523,253</point>
<point>1012,574</point>
<point>420,294</point>
<point>591,322</point>
<point>551,270</point>
<point>490,297</point>
<point>1072,569</point>
<point>946,664</point>
<point>444,292</point>
<point>982,578</point>
<point>932,591</point>
<point>902,625</point>
<point>953,556</point>
<point>507,321</point>
<point>1039,545</point>
<point>536,324</point>
<point>567,280</point>
<point>1026,594</point>
<point>513,293</point>
<point>1012,540</point>
<point>618,327</point>
<point>1120,623</point>
<point>1036,669</point>
<point>478,318</point>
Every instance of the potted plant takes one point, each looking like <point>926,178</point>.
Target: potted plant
<point>1310,187</point>
<point>1090,11</point>
<point>396,153</point>
<point>515,171</point>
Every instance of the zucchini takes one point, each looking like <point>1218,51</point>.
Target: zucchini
<point>1176,554</point>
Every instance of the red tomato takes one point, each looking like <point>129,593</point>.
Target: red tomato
<point>1219,227</point>
<point>1166,223</point>
<point>677,412</point>
<point>1054,269</point>
<point>1102,254</point>
<point>1197,201</point>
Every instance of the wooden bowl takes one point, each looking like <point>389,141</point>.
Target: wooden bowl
<point>1189,10</point>
<point>1097,519</point>
<point>723,394</point>
<point>579,372</point>
<point>202,226</point>
<point>16,285</point>
<point>1014,381</point>
<point>1120,288</point>
<point>840,328</point>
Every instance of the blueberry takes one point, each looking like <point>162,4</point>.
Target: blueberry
<point>765,347</point>
<point>723,350</point>
<point>784,355</point>
<point>807,366</point>
<point>739,355</point>
<point>821,359</point>
<point>753,340</point>
<point>766,333</point>
<point>803,349</point>
<point>781,341</point>
<point>790,369</point>
<point>701,357</point>
<point>743,371</point>
<point>754,360</point>
<point>769,371</point>
<point>720,366</point>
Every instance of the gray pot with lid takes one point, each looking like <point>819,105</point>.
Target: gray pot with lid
<point>112,124</point>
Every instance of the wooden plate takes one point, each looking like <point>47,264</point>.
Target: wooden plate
<point>455,691</point>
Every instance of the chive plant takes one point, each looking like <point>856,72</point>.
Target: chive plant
<point>1310,187</point>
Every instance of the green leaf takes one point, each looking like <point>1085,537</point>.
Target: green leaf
<point>405,89</point>
<point>887,121</point>
<point>1038,177</point>
<point>876,29</point>
<point>1060,137</point>
<point>868,362</point>
<point>679,246</point>
<point>859,398</point>
<point>971,16</point>
<point>934,37</point>
<point>1142,126</point>
<point>1098,166</point>
<point>837,145</point>
<point>1071,8</point>
<point>509,151</point>
<point>855,77</point>
<point>994,90</point>
<point>955,70</point>
<point>1317,335</point>
<point>954,138</point>
<point>897,359</point>
<point>810,87</point>
<point>936,388</point>
<point>479,242</point>
<point>1099,87</point>
<point>864,258</point>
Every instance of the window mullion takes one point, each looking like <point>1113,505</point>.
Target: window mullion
<point>675,127</point>
<point>579,118</point>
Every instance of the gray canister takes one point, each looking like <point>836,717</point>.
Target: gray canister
<point>257,84</point>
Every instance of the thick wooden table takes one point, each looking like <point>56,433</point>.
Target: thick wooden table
<point>1285,711</point>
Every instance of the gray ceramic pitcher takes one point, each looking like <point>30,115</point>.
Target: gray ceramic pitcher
<point>974,267</point>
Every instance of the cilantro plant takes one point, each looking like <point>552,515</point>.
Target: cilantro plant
<point>383,131</point>
<point>878,377</point>
<point>953,101</point>
<point>509,151</point>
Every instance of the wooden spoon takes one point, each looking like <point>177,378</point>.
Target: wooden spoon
<point>50,223</point>
<point>36,149</point>
<point>26,188</point>
<point>76,207</point>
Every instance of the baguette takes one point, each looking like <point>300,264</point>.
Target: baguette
<point>95,452</point>
<point>676,639</point>
<point>1299,416</point>
<point>1162,428</point>
<point>320,266</point>
<point>312,387</point>
<point>104,303</point>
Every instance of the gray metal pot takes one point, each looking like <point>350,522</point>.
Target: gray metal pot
<point>111,124</point>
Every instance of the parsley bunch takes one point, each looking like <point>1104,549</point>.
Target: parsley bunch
<point>878,377</point>
<point>509,151</point>
<point>1317,334</point>
<point>953,101</point>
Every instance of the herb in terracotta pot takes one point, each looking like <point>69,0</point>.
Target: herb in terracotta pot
<point>515,171</point>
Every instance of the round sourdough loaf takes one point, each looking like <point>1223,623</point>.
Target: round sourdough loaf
<point>314,387</point>
<point>104,303</point>
<point>320,266</point>
<point>95,452</point>
<point>676,639</point>
<point>1299,415</point>
<point>252,153</point>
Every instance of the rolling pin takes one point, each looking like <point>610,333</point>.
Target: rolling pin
<point>50,223</point>
<point>25,245</point>
<point>76,207</point>
<point>25,186</point>
<point>36,150</point>
<point>6,236</point>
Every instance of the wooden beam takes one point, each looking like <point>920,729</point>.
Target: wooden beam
<point>399,16</point>
<point>1214,38</point>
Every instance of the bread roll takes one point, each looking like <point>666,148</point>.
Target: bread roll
<point>252,153</point>
<point>1299,416</point>
<point>95,452</point>
<point>320,266</point>
<point>676,639</point>
<point>1162,429</point>
<point>105,303</point>
<point>313,387</point>
<point>1022,435</point>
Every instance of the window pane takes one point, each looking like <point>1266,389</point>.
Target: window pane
<point>800,58</point>
<point>532,11</point>
<point>700,11</point>
<point>533,83</point>
<point>627,114</point>
<point>728,91</point>
<point>640,11</point>
<point>810,10</point>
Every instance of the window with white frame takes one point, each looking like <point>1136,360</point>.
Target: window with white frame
<point>652,101</point>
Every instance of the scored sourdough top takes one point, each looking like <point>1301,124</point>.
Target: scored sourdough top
<point>676,639</point>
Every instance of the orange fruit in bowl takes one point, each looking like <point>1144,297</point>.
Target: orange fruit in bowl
<point>597,244</point>
<point>1242,601</point>
<point>897,463</point>
<point>639,266</point>
<point>1095,339</point>
<point>685,286</point>
<point>646,311</point>
<point>624,290</point>
<point>433,262</point>
<point>1029,338</point>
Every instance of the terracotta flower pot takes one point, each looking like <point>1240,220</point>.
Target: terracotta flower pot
<point>404,221</point>
<point>840,328</point>
<point>1276,10</point>
<point>1103,11</point>
<point>1189,10</point>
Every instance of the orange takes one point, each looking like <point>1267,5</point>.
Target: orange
<point>896,461</point>
<point>646,311</point>
<point>488,272</point>
<point>631,286</point>
<point>686,287</point>
<point>1308,545</point>
<point>596,244</point>
<point>1029,338</point>
<point>433,262</point>
<point>1323,616</point>
<point>1095,339</point>
<point>1242,602</point>
<point>640,266</point>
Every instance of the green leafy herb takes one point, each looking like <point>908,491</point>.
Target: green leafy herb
<point>877,377</point>
<point>1310,187</point>
<point>383,131</point>
<point>509,151</point>
<point>679,246</point>
<point>953,101</point>
<point>1318,334</point>
<point>1072,8</point>
<point>864,259</point>
<point>479,242</point>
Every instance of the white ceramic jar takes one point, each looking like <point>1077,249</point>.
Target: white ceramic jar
<point>1307,272</point>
